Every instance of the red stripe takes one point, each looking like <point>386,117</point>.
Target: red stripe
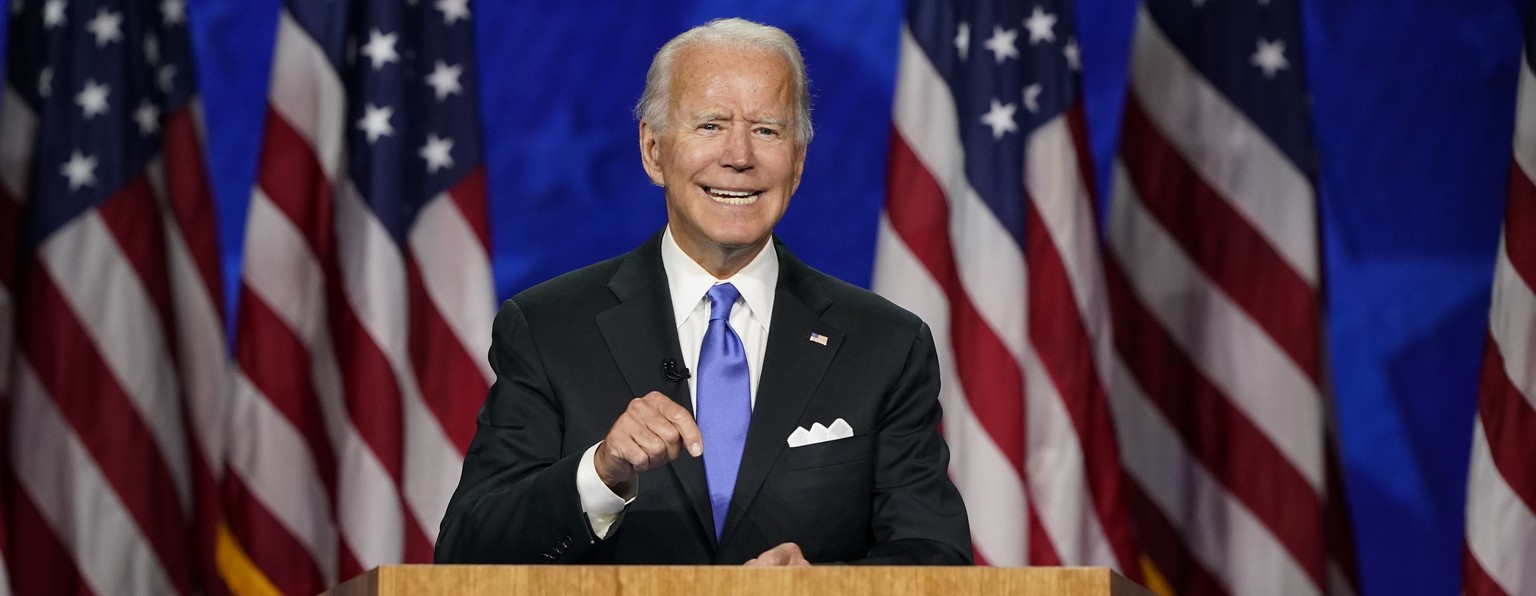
<point>1520,225</point>
<point>278,364</point>
<point>1475,581</point>
<point>90,397</point>
<point>290,174</point>
<point>1510,424</point>
<point>37,561</point>
<point>280,557</point>
<point>451,384</point>
<point>134,221</point>
<point>1057,330</point>
<point>469,196</point>
<point>1219,436</point>
<point>191,200</point>
<point>418,547</point>
<point>1041,551</point>
<point>992,381</point>
<point>207,512</point>
<point>1164,546</point>
<point>347,566</point>
<point>369,385</point>
<point>1221,241</point>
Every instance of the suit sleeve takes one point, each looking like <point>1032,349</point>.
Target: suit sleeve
<point>517,500</point>
<point>918,517</point>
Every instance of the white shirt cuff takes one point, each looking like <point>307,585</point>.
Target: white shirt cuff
<point>603,507</point>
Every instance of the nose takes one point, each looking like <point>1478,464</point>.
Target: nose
<point>737,152</point>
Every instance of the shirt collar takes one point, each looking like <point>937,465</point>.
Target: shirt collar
<point>688,281</point>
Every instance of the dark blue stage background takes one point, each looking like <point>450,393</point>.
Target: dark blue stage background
<point>1414,107</point>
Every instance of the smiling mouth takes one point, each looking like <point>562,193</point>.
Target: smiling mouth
<point>733,197</point>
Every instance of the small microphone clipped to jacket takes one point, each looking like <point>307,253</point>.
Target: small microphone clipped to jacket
<point>672,371</point>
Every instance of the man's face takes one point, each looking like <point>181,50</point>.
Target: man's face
<point>729,160</point>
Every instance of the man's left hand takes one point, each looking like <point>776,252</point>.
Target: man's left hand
<point>783,555</point>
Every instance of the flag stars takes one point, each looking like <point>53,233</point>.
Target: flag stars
<point>151,49</point>
<point>380,49</point>
<point>167,76</point>
<point>53,14</point>
<point>1073,53</point>
<point>963,39</point>
<point>1032,99</point>
<point>375,122</point>
<point>1041,26</point>
<point>107,27</point>
<point>453,10</point>
<point>438,153</point>
<point>93,99</point>
<point>1000,118</point>
<point>173,12</point>
<point>80,170</point>
<point>1001,44</point>
<point>45,82</point>
<point>147,117</point>
<point>1270,57</point>
<point>445,80</point>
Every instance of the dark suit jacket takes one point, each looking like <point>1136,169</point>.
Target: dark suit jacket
<point>571,353</point>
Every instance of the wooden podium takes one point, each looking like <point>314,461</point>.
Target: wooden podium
<point>396,580</point>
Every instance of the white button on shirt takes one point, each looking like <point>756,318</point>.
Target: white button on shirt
<point>688,283</point>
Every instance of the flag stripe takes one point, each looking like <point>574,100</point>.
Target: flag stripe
<point>191,199</point>
<point>993,490</point>
<point>1474,580</point>
<point>278,366</point>
<point>1230,542</point>
<point>992,382</point>
<point>1222,345</point>
<point>1509,422</point>
<point>1244,166</point>
<point>1501,527</point>
<point>270,547</point>
<point>1166,547</point>
<point>83,509</point>
<point>44,551</point>
<point>1219,240</point>
<point>444,369</point>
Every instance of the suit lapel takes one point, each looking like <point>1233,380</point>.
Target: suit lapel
<point>640,332</point>
<point>792,369</point>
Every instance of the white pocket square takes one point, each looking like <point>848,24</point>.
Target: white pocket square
<point>839,429</point>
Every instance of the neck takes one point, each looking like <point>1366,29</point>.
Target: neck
<point>723,261</point>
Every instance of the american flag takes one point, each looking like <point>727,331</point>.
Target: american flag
<point>1501,489</point>
<point>1214,277</point>
<point>366,295</point>
<point>989,234</point>
<point>110,260</point>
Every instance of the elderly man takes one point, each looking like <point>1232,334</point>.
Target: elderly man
<point>783,417</point>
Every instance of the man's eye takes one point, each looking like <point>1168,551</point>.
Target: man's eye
<point>709,126</point>
<point>768,132</point>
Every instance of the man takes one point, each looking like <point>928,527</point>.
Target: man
<point>817,429</point>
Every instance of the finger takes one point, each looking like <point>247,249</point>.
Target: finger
<point>680,419</point>
<point>663,429</point>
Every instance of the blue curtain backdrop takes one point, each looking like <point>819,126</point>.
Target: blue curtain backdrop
<point>1414,107</point>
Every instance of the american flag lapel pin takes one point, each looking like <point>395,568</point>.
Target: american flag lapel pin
<point>819,338</point>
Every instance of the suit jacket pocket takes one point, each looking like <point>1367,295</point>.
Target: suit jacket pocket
<point>830,453</point>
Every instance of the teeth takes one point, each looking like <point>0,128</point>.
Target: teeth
<point>731,197</point>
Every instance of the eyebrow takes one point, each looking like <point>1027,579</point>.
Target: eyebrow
<point>713,116</point>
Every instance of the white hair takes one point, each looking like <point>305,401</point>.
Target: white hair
<point>733,33</point>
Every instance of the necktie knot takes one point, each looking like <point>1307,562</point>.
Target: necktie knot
<point>721,298</point>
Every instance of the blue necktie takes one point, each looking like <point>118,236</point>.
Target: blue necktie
<point>724,401</point>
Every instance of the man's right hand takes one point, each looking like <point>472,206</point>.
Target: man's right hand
<point>652,432</point>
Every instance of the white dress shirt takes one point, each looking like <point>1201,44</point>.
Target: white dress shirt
<point>688,283</point>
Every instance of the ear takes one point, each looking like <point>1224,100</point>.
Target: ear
<point>799,168</point>
<point>650,153</point>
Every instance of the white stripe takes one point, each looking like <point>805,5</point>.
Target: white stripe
<point>308,93</point>
<point>1228,347</point>
<point>200,343</point>
<point>113,307</point>
<point>1221,533</point>
<point>992,490</point>
<point>457,274</point>
<point>281,270</point>
<point>1230,153</point>
<point>1057,475</point>
<point>1512,322</point>
<point>276,465</point>
<point>80,505</point>
<point>1501,528</point>
<point>1525,121</point>
<point>375,276</point>
<point>990,263</point>
<point>20,126</point>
